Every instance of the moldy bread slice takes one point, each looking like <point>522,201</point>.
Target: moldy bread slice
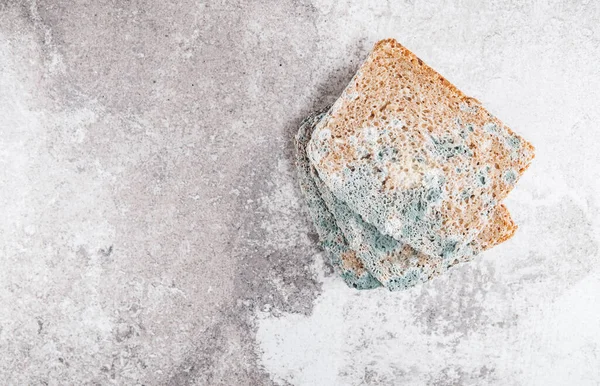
<point>343,259</point>
<point>414,156</point>
<point>359,250</point>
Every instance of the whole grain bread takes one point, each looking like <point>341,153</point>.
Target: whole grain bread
<point>396,264</point>
<point>414,156</point>
<point>342,258</point>
<point>393,263</point>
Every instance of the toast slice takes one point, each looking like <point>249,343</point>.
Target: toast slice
<point>343,259</point>
<point>397,265</point>
<point>393,263</point>
<point>415,157</point>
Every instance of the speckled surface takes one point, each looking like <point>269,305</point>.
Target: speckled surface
<point>153,231</point>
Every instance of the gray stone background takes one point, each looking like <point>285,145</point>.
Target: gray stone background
<point>152,231</point>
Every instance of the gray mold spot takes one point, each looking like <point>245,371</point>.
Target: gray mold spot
<point>510,177</point>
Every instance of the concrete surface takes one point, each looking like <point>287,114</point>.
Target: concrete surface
<point>152,231</point>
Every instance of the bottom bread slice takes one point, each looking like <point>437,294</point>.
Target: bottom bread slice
<point>395,264</point>
<point>342,258</point>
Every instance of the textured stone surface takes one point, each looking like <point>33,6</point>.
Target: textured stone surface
<point>153,231</point>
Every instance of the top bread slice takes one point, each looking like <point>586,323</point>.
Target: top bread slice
<point>414,156</point>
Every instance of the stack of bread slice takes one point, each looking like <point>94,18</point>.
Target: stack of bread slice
<point>404,175</point>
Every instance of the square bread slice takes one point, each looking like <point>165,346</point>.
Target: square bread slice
<point>395,264</point>
<point>414,156</point>
<point>343,259</point>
